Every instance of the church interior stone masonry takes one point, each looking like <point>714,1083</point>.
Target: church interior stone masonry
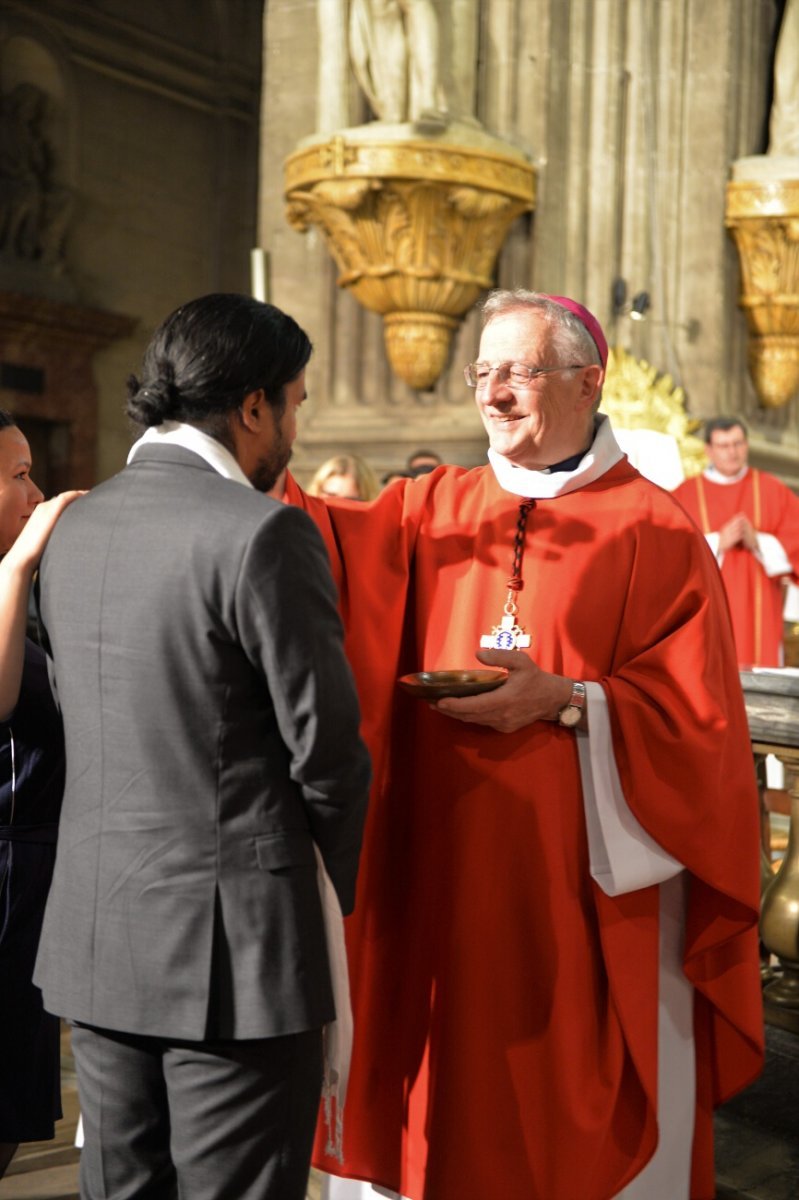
<point>640,155</point>
<point>144,150</point>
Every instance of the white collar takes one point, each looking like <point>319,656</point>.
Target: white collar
<point>714,476</point>
<point>178,433</point>
<point>603,453</point>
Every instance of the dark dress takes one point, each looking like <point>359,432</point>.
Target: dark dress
<point>31,787</point>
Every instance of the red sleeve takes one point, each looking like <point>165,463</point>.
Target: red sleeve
<point>370,547</point>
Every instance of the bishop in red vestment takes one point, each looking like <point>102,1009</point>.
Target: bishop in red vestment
<point>558,892</point>
<point>751,522</point>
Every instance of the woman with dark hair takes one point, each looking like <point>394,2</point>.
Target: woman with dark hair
<point>31,783</point>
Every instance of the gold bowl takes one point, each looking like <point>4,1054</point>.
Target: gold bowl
<point>435,685</point>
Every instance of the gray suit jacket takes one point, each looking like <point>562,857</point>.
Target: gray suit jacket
<point>212,737</point>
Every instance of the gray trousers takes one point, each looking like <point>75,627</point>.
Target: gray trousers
<point>224,1120</point>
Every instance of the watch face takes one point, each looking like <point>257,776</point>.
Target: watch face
<point>570,715</point>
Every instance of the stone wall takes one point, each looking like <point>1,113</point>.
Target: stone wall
<point>632,111</point>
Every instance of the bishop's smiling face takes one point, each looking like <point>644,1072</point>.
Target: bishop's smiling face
<point>550,418</point>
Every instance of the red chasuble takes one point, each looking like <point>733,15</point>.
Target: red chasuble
<point>755,600</point>
<point>505,1007</point>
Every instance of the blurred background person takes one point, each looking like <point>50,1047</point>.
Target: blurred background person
<point>345,477</point>
<point>422,462</point>
<point>390,476</point>
<point>31,785</point>
<point>750,520</point>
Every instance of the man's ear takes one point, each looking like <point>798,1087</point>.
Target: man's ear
<point>253,409</point>
<point>593,378</point>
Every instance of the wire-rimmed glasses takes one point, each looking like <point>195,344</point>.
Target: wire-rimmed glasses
<point>517,374</point>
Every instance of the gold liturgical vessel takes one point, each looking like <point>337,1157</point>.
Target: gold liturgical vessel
<point>763,218</point>
<point>414,223</point>
<point>779,915</point>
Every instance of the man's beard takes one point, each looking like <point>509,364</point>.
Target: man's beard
<point>269,468</point>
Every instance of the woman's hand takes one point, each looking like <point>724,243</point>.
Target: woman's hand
<point>16,572</point>
<point>29,546</point>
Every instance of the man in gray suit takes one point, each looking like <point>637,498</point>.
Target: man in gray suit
<point>212,743</point>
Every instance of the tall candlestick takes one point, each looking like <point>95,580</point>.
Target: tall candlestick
<point>259,274</point>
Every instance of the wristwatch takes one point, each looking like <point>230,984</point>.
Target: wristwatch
<point>570,714</point>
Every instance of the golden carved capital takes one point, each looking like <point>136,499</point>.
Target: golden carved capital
<point>414,225</point>
<point>763,219</point>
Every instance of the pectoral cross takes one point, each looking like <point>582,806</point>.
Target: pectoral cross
<point>506,636</point>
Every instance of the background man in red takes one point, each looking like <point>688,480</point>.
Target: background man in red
<point>751,523</point>
<point>554,950</point>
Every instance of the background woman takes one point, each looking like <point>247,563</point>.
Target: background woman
<point>347,477</point>
<point>31,783</point>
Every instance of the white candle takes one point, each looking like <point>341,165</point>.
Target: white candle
<point>259,274</point>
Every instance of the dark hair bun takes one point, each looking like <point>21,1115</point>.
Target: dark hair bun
<point>210,353</point>
<point>153,402</point>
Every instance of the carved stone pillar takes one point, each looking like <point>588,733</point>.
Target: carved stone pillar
<point>631,114</point>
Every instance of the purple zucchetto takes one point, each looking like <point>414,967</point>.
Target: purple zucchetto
<point>587,319</point>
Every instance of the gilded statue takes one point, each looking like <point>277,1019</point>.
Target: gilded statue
<point>415,202</point>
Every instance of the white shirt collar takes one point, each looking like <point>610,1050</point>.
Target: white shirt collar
<point>714,476</point>
<point>603,453</point>
<point>178,433</point>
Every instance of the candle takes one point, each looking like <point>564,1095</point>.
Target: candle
<point>259,274</point>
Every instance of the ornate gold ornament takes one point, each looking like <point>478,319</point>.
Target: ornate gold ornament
<point>414,224</point>
<point>763,218</point>
<point>637,396</point>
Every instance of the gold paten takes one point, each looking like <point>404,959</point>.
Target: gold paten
<point>779,914</point>
<point>415,226</point>
<point>637,396</point>
<point>763,218</point>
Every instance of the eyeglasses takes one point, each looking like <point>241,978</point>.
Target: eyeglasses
<point>478,374</point>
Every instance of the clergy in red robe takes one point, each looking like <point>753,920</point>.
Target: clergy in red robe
<point>751,522</point>
<point>553,954</point>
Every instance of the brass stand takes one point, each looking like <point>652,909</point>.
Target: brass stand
<point>779,917</point>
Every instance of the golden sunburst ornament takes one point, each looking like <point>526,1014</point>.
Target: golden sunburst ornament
<point>638,396</point>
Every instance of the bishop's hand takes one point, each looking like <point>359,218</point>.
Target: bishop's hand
<point>529,694</point>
